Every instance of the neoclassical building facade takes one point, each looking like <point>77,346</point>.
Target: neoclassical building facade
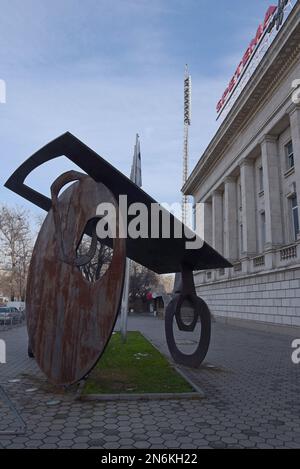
<point>246,188</point>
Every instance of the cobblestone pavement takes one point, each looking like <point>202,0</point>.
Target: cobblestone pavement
<point>252,400</point>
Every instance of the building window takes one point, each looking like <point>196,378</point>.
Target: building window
<point>261,179</point>
<point>194,217</point>
<point>241,240</point>
<point>263,230</point>
<point>295,216</point>
<point>240,197</point>
<point>289,151</point>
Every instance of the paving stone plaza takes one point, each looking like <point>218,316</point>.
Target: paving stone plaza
<point>251,399</point>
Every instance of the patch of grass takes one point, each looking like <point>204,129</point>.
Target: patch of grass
<point>134,367</point>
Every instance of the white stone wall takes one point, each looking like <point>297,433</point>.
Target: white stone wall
<point>270,297</point>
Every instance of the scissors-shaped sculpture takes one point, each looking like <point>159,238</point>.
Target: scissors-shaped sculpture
<point>70,319</point>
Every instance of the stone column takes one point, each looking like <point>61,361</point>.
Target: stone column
<point>295,132</point>
<point>271,175</point>
<point>217,221</point>
<point>248,209</point>
<point>230,219</point>
<point>204,221</point>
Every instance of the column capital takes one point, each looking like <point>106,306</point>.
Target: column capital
<point>268,139</point>
<point>229,179</point>
<point>246,162</point>
<point>293,108</point>
<point>217,192</point>
<point>207,200</point>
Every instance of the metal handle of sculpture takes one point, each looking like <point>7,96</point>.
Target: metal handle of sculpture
<point>58,184</point>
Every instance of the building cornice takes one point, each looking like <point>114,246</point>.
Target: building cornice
<point>282,55</point>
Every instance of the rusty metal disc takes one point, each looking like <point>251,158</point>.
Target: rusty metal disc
<point>70,319</point>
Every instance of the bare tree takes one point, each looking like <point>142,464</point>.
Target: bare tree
<point>167,283</point>
<point>39,220</point>
<point>142,280</point>
<point>100,261</point>
<point>15,250</point>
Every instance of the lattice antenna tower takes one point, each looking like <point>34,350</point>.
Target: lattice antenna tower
<point>187,123</point>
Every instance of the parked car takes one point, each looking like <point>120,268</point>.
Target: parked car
<point>6,315</point>
<point>10,315</point>
<point>20,305</point>
<point>19,315</point>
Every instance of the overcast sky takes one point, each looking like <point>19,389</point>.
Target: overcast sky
<point>108,69</point>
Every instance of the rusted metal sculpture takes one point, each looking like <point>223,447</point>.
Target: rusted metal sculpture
<point>70,319</point>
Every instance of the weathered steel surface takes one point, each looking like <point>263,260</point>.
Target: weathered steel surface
<point>200,313</point>
<point>162,255</point>
<point>70,320</point>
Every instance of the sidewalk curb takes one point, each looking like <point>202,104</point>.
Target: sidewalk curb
<point>141,397</point>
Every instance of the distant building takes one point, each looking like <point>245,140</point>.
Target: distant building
<point>248,185</point>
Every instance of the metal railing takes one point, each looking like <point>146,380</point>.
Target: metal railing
<point>6,324</point>
<point>259,261</point>
<point>288,253</point>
